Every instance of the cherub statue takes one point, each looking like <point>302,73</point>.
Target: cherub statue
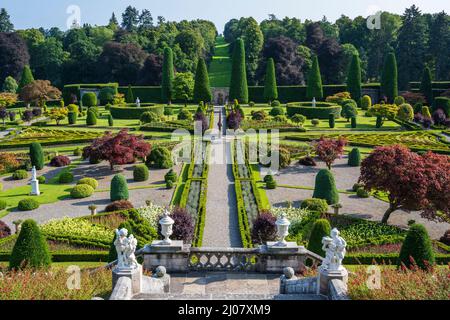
<point>341,247</point>
<point>129,252</point>
<point>126,247</point>
<point>335,250</point>
<point>328,248</point>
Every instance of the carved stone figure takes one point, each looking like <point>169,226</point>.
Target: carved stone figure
<point>138,102</point>
<point>34,183</point>
<point>335,250</point>
<point>126,247</point>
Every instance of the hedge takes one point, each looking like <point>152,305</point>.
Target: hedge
<point>145,94</point>
<point>321,111</point>
<point>130,113</point>
<point>70,89</point>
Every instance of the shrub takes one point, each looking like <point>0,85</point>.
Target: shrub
<point>332,121</point>
<point>275,103</point>
<point>73,108</point>
<point>31,249</point>
<point>148,117</point>
<point>19,175</point>
<point>168,111</point>
<point>362,193</point>
<point>325,187</point>
<point>91,119</point>
<point>316,205</point>
<point>3,204</point>
<point>379,122</point>
<point>119,206</point>
<point>315,122</point>
<point>357,186</point>
<point>417,248</point>
<point>354,158</point>
<point>284,156</point>
<point>308,162</point>
<point>28,204</point>
<point>277,111</point>
<point>445,239</point>
<point>184,114</point>
<point>65,177</point>
<point>426,112</point>
<point>321,229</point>
<point>169,184</point>
<point>119,188</point>
<point>272,184</point>
<point>106,95</point>
<point>354,122</point>
<point>89,99</point>
<point>5,231</point>
<point>399,100</point>
<point>89,181</point>
<point>259,115</point>
<point>349,110</point>
<point>264,228</point>
<point>298,119</point>
<point>405,112</point>
<point>37,155</point>
<point>366,102</point>
<point>72,117</point>
<point>280,119</point>
<point>314,84</point>
<point>81,191</point>
<point>140,173</point>
<point>171,176</point>
<point>41,179</point>
<point>77,152</point>
<point>183,228</point>
<point>439,117</point>
<point>60,161</point>
<point>268,178</point>
<point>160,157</point>
<point>442,103</point>
<point>110,120</point>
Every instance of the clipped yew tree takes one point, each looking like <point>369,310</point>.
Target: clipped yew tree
<point>27,77</point>
<point>389,78</point>
<point>314,87</point>
<point>160,158</point>
<point>426,87</point>
<point>202,89</point>
<point>91,118</point>
<point>238,85</point>
<point>270,87</point>
<point>129,97</point>
<point>168,75</point>
<point>119,188</point>
<point>31,249</point>
<point>417,248</point>
<point>37,155</point>
<point>326,187</point>
<point>354,158</point>
<point>354,78</point>
<point>320,229</point>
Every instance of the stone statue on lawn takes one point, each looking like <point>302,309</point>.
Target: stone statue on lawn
<point>126,248</point>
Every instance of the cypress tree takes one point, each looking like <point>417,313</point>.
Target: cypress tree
<point>321,228</point>
<point>167,76</point>
<point>354,78</point>
<point>202,89</point>
<point>326,187</point>
<point>417,245</point>
<point>270,89</point>
<point>314,89</point>
<point>238,85</point>
<point>332,120</point>
<point>426,86</point>
<point>129,97</point>
<point>119,188</point>
<point>389,78</point>
<point>37,155</point>
<point>31,249</point>
<point>354,158</point>
<point>110,120</point>
<point>27,77</point>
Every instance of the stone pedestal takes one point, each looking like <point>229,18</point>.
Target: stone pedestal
<point>173,257</point>
<point>274,259</point>
<point>273,247</point>
<point>326,276</point>
<point>134,274</point>
<point>35,188</point>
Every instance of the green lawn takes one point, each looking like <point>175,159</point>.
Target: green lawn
<point>220,67</point>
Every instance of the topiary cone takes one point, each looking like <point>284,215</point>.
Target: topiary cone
<point>321,228</point>
<point>417,245</point>
<point>119,188</point>
<point>354,158</point>
<point>37,155</point>
<point>326,187</point>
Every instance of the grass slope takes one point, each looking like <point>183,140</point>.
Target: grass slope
<point>220,67</point>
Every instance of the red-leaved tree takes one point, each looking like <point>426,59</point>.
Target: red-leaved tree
<point>328,150</point>
<point>411,181</point>
<point>122,148</point>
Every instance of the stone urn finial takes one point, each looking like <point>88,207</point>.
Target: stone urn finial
<point>282,230</point>
<point>166,228</point>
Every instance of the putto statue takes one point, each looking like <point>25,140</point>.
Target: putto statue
<point>126,247</point>
<point>335,250</point>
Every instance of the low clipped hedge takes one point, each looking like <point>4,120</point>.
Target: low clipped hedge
<point>89,181</point>
<point>28,205</point>
<point>130,112</point>
<point>81,191</point>
<point>322,110</point>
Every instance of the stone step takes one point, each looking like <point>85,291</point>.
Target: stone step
<point>220,297</point>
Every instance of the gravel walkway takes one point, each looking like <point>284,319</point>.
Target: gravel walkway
<point>221,224</point>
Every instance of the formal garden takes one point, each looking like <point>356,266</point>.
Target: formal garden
<point>364,146</point>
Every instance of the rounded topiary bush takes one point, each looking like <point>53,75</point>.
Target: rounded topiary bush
<point>89,99</point>
<point>171,176</point>
<point>140,173</point>
<point>321,228</point>
<point>354,122</point>
<point>37,155</point>
<point>65,177</point>
<point>417,248</point>
<point>362,193</point>
<point>81,191</point>
<point>160,158</point>
<point>366,102</point>
<point>316,205</point>
<point>271,185</point>
<point>168,111</point>
<point>332,121</point>
<point>259,115</point>
<point>119,188</point>
<point>325,187</point>
<point>60,161</point>
<point>298,119</point>
<point>28,205</point>
<point>275,103</point>
<point>42,179</point>
<point>31,249</point>
<point>277,111</point>
<point>119,206</point>
<point>169,184</point>
<point>268,178</point>
<point>72,117</point>
<point>184,115</point>
<point>264,228</point>
<point>148,117</point>
<point>19,175</point>
<point>91,119</point>
<point>315,122</point>
<point>3,204</point>
<point>399,100</point>
<point>357,186</point>
<point>354,158</point>
<point>106,95</point>
<point>405,112</point>
<point>89,181</point>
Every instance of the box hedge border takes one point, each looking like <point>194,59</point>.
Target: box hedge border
<point>321,111</point>
<point>134,113</point>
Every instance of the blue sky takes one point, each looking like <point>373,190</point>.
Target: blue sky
<point>49,13</point>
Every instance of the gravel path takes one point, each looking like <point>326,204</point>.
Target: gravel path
<point>221,224</point>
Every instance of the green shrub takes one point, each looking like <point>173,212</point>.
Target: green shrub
<point>184,114</point>
<point>42,179</point>
<point>277,111</point>
<point>168,111</point>
<point>238,84</point>
<point>321,229</point>
<point>169,184</point>
<point>399,100</point>
<point>72,116</point>
<point>357,186</point>
<point>132,113</point>
<point>271,184</point>
<point>148,117</point>
<point>77,152</point>
<point>65,177</point>
<point>362,193</point>
<point>89,99</point>
<point>298,119</point>
<point>275,104</point>
<point>405,112</point>
<point>325,187</point>
<point>89,181</point>
<point>354,158</point>
<point>3,204</point>
<point>37,155</point>
<point>366,102</point>
<point>110,120</point>
<point>315,122</point>
<point>316,205</point>
<point>202,88</point>
<point>106,95</point>
<point>332,121</point>
<point>81,191</point>
<point>389,77</point>
<point>417,245</point>
<point>140,173</point>
<point>270,82</point>
<point>171,176</point>
<point>31,249</point>
<point>119,188</point>
<point>28,204</point>
<point>321,111</point>
<point>19,175</point>
<point>268,178</point>
<point>379,122</point>
<point>314,83</point>
<point>349,110</point>
<point>160,157</point>
<point>442,103</point>
<point>426,112</point>
<point>91,119</point>
<point>353,122</point>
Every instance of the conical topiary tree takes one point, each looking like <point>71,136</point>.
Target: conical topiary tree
<point>314,86</point>
<point>354,78</point>
<point>354,158</point>
<point>326,187</point>
<point>91,118</point>
<point>202,89</point>
<point>238,85</point>
<point>321,228</point>
<point>389,78</point>
<point>31,249</point>
<point>129,98</point>
<point>27,77</point>
<point>270,88</point>
<point>110,120</point>
<point>168,75</point>
<point>37,155</point>
<point>119,188</point>
<point>417,248</point>
<point>426,87</point>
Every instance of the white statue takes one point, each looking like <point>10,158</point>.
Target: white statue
<point>126,247</point>
<point>335,250</point>
<point>34,183</point>
<point>138,102</point>
<point>314,102</point>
